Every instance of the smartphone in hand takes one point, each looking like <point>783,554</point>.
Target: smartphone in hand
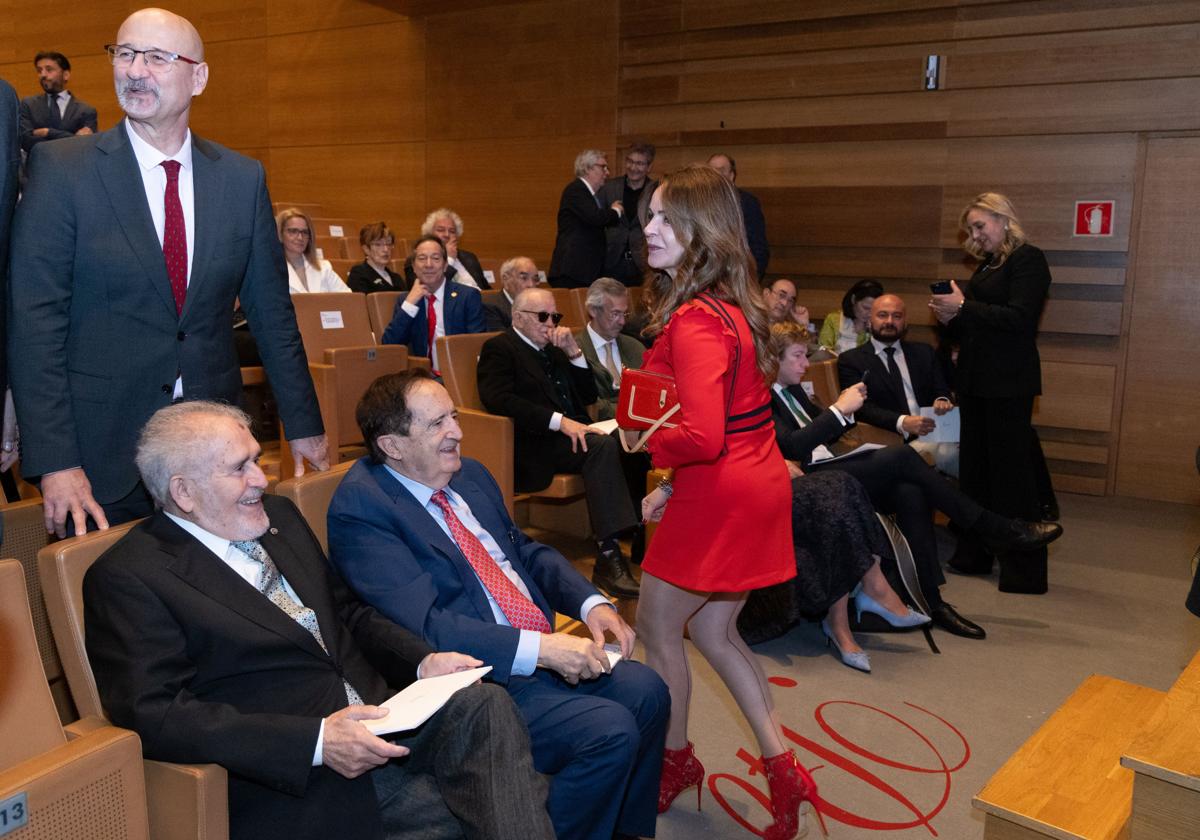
<point>941,287</point>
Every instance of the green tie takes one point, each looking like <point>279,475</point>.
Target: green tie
<point>801,416</point>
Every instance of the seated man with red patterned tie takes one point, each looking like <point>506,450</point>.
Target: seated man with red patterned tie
<point>218,632</point>
<point>423,535</point>
<point>434,305</point>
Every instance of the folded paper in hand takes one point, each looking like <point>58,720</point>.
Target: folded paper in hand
<point>417,703</point>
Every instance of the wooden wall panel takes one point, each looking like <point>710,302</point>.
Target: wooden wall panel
<point>987,19</point>
<point>1160,423</point>
<point>1076,396</point>
<point>224,112</point>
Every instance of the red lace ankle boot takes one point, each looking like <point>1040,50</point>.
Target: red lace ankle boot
<point>791,786</point>
<point>680,770</point>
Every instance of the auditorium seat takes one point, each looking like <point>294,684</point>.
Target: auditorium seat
<point>304,207</point>
<point>343,360</point>
<point>380,307</point>
<point>24,536</point>
<point>579,310</point>
<point>86,781</point>
<point>185,801</point>
<point>564,301</point>
<point>311,493</point>
<point>335,227</point>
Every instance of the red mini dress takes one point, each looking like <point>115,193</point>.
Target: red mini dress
<point>728,525</point>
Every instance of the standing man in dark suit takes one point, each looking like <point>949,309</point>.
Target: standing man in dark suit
<point>10,164</point>
<point>756,224</point>
<point>461,266</point>
<point>904,377</point>
<point>129,250</point>
<point>218,633</point>
<point>536,374</point>
<point>456,309</point>
<point>423,535</point>
<point>625,258</point>
<point>516,274</point>
<point>56,113</point>
<point>579,247</point>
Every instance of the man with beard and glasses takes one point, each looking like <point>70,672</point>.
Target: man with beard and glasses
<point>55,113</point>
<point>129,250</point>
<point>902,377</point>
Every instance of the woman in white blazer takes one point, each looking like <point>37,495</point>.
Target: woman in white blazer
<point>306,273</point>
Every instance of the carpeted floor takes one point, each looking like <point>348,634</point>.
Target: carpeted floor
<point>900,752</point>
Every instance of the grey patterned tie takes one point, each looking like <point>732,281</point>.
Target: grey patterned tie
<point>271,584</point>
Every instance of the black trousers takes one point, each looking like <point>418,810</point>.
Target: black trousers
<point>610,507</point>
<point>997,469</point>
<point>899,481</point>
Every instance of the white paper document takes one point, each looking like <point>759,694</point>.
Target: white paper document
<point>417,703</point>
<point>858,450</point>
<point>603,427</point>
<point>947,429</point>
<point>614,655</point>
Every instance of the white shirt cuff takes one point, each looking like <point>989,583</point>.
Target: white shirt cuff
<point>556,421</point>
<point>900,424</point>
<point>579,361</point>
<point>410,308</point>
<point>528,648</point>
<point>844,419</point>
<point>319,752</point>
<point>592,602</point>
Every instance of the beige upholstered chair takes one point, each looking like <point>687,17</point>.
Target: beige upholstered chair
<point>84,782</point>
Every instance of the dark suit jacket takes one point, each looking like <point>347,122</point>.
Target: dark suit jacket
<point>93,318</point>
<point>580,244</point>
<point>626,235</point>
<point>756,231</point>
<point>631,351</point>
<point>35,113</point>
<point>469,261</point>
<point>513,383</point>
<point>10,164</point>
<point>205,669</point>
<point>997,327</point>
<point>796,443</point>
<point>462,312</point>
<point>497,312</point>
<point>884,405</point>
<point>392,552</point>
<point>363,278</point>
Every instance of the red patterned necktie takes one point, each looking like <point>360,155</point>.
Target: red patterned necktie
<point>519,610</point>
<point>431,318</point>
<point>175,236</point>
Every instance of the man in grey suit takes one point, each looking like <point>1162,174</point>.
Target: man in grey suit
<point>129,250</point>
<point>56,113</point>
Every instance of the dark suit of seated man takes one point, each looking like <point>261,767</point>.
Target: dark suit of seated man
<point>536,374</point>
<point>218,632</point>
<point>904,377</point>
<point>895,477</point>
<point>423,535</point>
<point>457,309</point>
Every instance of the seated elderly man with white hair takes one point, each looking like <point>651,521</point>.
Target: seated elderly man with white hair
<point>461,266</point>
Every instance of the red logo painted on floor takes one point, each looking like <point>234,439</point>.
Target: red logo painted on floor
<point>854,761</point>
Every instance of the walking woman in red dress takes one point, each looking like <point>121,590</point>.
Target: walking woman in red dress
<point>725,519</point>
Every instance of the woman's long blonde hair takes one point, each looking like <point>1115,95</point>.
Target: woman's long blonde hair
<point>706,215</point>
<point>1000,207</point>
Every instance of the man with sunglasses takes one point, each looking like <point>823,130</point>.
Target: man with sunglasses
<point>536,374</point>
<point>130,248</point>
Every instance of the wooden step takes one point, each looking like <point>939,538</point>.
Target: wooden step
<point>1067,781</point>
<point>1165,757</point>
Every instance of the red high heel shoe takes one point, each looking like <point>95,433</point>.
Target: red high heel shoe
<point>680,770</point>
<point>791,786</point>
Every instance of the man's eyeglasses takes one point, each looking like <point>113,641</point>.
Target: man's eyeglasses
<point>544,316</point>
<point>158,59</point>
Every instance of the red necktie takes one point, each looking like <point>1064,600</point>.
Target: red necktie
<point>519,610</point>
<point>175,236</point>
<point>431,317</point>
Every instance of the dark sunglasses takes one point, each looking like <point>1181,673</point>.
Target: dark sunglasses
<point>543,316</point>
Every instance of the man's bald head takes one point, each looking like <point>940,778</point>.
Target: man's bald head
<point>166,30</point>
<point>889,322</point>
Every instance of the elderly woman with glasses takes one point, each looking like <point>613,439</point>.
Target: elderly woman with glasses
<point>373,273</point>
<point>306,271</point>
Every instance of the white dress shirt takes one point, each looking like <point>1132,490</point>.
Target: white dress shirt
<point>914,408</point>
<point>439,298</point>
<point>606,345</point>
<point>530,641</point>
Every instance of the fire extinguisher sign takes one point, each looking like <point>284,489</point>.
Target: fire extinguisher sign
<point>1094,218</point>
